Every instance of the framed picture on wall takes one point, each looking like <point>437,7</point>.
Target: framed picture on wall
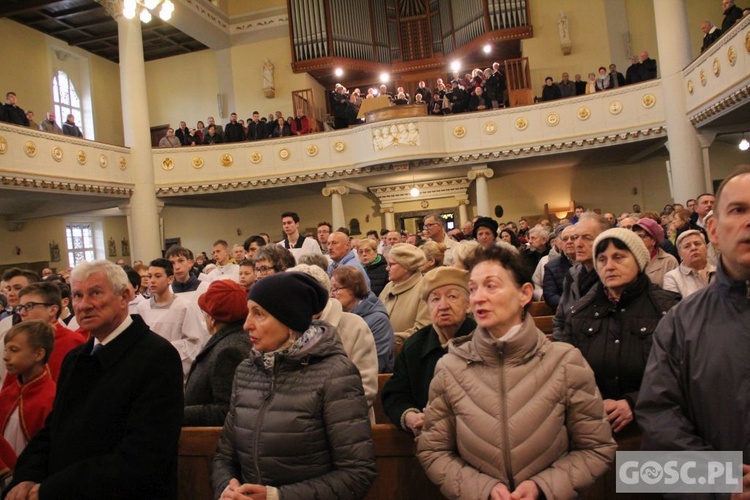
<point>54,252</point>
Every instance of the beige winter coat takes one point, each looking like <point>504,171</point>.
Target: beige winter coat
<point>406,308</point>
<point>359,345</point>
<point>507,411</point>
<point>660,265</point>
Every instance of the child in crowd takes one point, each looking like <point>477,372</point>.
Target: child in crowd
<point>25,404</point>
<point>247,274</point>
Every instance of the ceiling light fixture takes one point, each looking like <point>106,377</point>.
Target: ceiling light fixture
<point>414,192</point>
<point>744,144</point>
<point>144,9</point>
<point>487,48</point>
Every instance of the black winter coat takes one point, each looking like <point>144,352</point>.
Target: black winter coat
<point>301,427</point>
<point>554,277</point>
<point>616,339</point>
<point>378,274</point>
<point>209,381</point>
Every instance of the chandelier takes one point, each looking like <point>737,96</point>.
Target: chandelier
<point>144,8</point>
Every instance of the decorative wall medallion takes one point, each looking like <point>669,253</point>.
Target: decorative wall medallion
<point>425,204</point>
<point>226,160</point>
<point>553,119</point>
<point>584,114</point>
<point>81,157</point>
<point>703,77</point>
<point>198,162</point>
<point>167,164</point>
<point>123,163</point>
<point>521,123</point>
<point>312,150</point>
<point>30,149</point>
<point>747,42</point>
<point>3,145</point>
<point>459,131</point>
<point>716,66</point>
<point>690,86</point>
<point>731,56</point>
<point>284,154</point>
<point>339,147</point>
<point>103,160</point>
<point>615,107</point>
<point>490,128</point>
<point>255,157</point>
<point>57,153</point>
<point>648,100</point>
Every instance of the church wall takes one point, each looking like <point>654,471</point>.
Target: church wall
<point>182,88</point>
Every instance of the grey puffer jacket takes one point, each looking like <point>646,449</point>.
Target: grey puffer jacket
<point>301,427</point>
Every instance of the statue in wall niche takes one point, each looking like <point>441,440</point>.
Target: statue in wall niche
<point>563,28</point>
<point>125,248</point>
<point>268,88</point>
<point>112,247</point>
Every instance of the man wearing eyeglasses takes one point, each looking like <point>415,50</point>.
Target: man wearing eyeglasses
<point>43,301</point>
<point>434,226</point>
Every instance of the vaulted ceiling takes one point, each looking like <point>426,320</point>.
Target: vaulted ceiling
<point>87,25</point>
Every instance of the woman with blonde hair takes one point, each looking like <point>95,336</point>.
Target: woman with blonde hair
<point>435,253</point>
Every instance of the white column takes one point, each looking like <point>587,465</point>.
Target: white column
<point>337,204</point>
<point>480,175</point>
<point>145,244</point>
<point>390,220</point>
<point>462,215</point>
<point>673,38</point>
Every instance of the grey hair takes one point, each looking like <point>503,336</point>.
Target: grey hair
<point>437,218</point>
<point>603,223</point>
<point>314,259</point>
<point>315,272</point>
<point>115,274</point>
<point>541,231</point>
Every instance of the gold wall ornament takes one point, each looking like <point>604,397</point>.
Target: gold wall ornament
<point>167,164</point>
<point>339,147</point>
<point>284,154</point>
<point>459,131</point>
<point>648,100</point>
<point>690,86</point>
<point>255,157</point>
<point>553,119</point>
<point>81,157</point>
<point>312,150</point>
<point>3,145</point>
<point>703,77</point>
<point>732,55</point>
<point>747,42</point>
<point>226,160</point>
<point>30,149</point>
<point>615,107</point>
<point>425,204</point>
<point>521,123</point>
<point>103,160</point>
<point>197,162</point>
<point>57,153</point>
<point>584,114</point>
<point>716,66</point>
<point>123,163</point>
<point>490,128</point>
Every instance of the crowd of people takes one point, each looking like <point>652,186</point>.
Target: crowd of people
<point>274,339</point>
<point>11,112</point>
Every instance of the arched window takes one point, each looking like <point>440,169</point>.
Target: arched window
<point>66,100</point>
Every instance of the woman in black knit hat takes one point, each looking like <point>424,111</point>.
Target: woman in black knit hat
<point>298,424</point>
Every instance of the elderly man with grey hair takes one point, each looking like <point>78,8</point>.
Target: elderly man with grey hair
<point>117,415</point>
<point>537,246</point>
<point>434,227</point>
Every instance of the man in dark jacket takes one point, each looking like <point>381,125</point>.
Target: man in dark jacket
<point>633,73</point>
<point>446,291</point>
<point>555,270</point>
<point>695,394</point>
<point>647,69</point>
<point>233,131</point>
<point>116,420</point>
<point>256,129</point>
<point>710,34</point>
<point>550,91</point>
<point>732,14</point>
<point>12,113</point>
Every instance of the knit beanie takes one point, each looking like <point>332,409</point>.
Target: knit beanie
<point>442,276</point>
<point>488,222</point>
<point>290,297</point>
<point>631,240</point>
<point>410,257</point>
<point>225,301</point>
<point>651,227</point>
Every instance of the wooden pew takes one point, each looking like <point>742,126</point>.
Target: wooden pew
<point>400,475</point>
<point>380,415</point>
<point>540,308</point>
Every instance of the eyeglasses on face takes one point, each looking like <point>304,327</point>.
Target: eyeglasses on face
<point>335,290</point>
<point>31,305</point>
<point>262,269</point>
